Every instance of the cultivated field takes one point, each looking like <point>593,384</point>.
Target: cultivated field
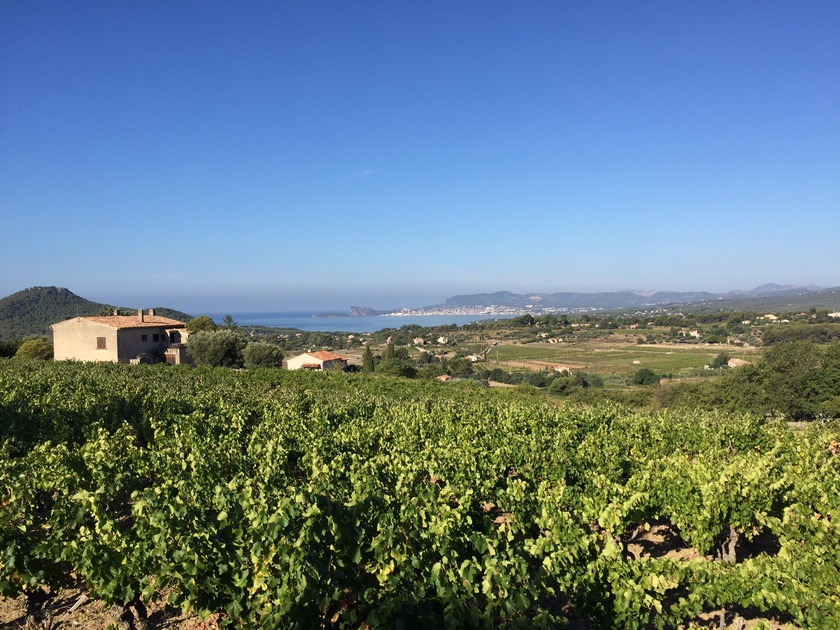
<point>613,358</point>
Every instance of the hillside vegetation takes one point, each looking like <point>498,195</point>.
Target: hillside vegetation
<point>280,499</point>
<point>30,312</point>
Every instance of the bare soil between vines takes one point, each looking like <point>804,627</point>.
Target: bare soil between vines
<point>94,615</point>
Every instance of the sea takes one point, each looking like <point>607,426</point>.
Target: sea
<point>326,322</point>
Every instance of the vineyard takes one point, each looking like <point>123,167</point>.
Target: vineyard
<point>297,500</point>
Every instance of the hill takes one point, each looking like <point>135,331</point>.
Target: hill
<point>30,312</point>
<point>613,300</point>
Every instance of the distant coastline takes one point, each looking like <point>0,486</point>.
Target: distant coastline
<point>333,322</point>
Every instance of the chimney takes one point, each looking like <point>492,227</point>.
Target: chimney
<point>116,312</point>
<point>140,315</point>
<point>151,312</point>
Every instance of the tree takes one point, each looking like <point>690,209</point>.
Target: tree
<point>522,320</point>
<point>645,376</point>
<point>500,376</point>
<point>395,367</point>
<point>262,354</point>
<point>563,385</point>
<point>792,378</point>
<point>367,360</point>
<point>389,350</point>
<point>229,323</point>
<point>200,323</point>
<point>458,367</point>
<point>217,348</point>
<point>35,349</point>
<point>720,361</point>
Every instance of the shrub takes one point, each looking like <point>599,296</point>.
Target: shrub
<point>221,348</point>
<point>35,349</point>
<point>645,376</point>
<point>396,367</point>
<point>262,354</point>
<point>721,360</point>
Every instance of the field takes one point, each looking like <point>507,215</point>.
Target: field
<point>281,499</point>
<point>609,358</point>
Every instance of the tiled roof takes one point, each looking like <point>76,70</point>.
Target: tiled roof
<point>132,321</point>
<point>323,355</point>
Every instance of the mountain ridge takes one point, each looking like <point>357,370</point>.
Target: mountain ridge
<point>614,299</point>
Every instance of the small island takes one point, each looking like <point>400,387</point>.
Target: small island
<point>355,311</point>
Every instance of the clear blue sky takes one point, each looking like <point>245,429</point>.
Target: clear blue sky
<point>220,156</point>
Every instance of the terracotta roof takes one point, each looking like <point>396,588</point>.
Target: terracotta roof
<point>323,355</point>
<point>132,321</point>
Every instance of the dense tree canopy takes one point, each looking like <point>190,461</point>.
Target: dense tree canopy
<point>201,323</point>
<point>262,354</point>
<point>220,348</point>
<point>35,349</point>
<point>798,380</point>
<point>396,367</point>
<point>817,333</point>
<point>645,376</point>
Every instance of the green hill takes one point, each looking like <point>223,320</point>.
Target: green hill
<point>30,312</point>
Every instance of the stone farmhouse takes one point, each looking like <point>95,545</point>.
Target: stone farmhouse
<point>141,338</point>
<point>321,360</point>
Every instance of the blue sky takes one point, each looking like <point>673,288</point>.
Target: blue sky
<point>224,156</point>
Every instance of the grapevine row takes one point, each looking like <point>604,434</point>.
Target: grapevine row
<point>294,500</point>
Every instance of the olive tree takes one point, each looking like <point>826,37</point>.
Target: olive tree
<point>645,376</point>
<point>262,354</point>
<point>35,349</point>
<point>218,348</point>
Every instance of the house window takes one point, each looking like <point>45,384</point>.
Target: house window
<point>100,343</point>
<point>144,337</point>
<point>155,337</point>
<point>175,336</point>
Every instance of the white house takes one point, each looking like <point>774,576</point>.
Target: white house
<point>321,360</point>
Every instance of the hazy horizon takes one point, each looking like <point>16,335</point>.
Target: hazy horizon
<point>262,304</point>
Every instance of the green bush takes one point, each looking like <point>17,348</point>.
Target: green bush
<point>220,348</point>
<point>645,376</point>
<point>262,354</point>
<point>396,367</point>
<point>35,349</point>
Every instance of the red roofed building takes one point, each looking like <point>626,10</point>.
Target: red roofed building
<point>321,360</point>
